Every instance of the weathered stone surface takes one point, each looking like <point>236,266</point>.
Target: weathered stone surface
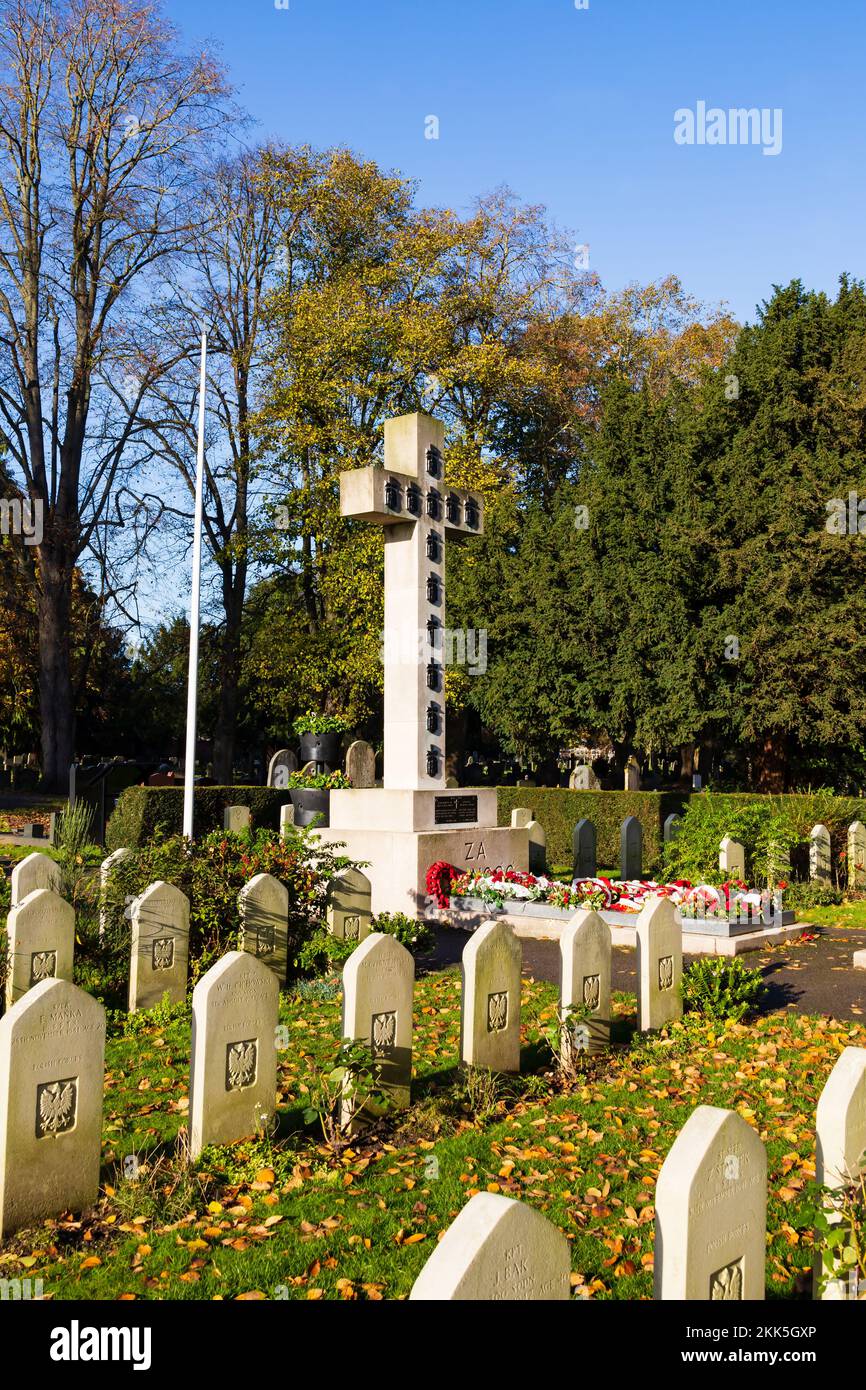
<point>280,768</point>
<point>106,869</point>
<point>659,964</point>
<point>36,871</point>
<point>840,1153</point>
<point>233,1067</point>
<point>160,947</point>
<point>361,764</point>
<point>583,844</point>
<point>820,866</point>
<point>264,913</point>
<point>41,942</point>
<point>521,817</point>
<point>349,915</point>
<point>490,1003</point>
<point>236,819</point>
<point>378,987</point>
<point>497,1250</point>
<point>711,1211</point>
<point>585,951</point>
<point>732,858</point>
<point>52,1050</point>
<point>287,817</point>
<point>856,854</point>
<point>537,847</point>
<point>583,779</point>
<point>631,848</point>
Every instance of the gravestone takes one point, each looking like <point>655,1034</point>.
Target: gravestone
<point>732,858</point>
<point>106,869</point>
<point>497,1250</point>
<point>281,767</point>
<point>672,826</point>
<point>583,779</point>
<point>52,1051</point>
<point>521,817</point>
<point>631,848</point>
<point>537,847</point>
<point>711,1211</point>
<point>287,817</point>
<point>36,871</point>
<point>160,947</point>
<point>857,854</point>
<point>631,779</point>
<point>585,952</point>
<point>233,1066</point>
<point>490,1000</point>
<point>451,783</point>
<point>659,964</point>
<point>361,764</point>
<point>583,844</point>
<point>349,915</point>
<point>860,960</point>
<point>264,912</point>
<point>41,942</point>
<point>236,819</point>
<point>378,984</point>
<point>840,1144</point>
<point>819,854</point>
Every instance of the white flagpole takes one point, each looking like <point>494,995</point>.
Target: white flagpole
<point>195,604</point>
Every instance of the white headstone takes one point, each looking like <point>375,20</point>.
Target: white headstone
<point>537,847</point>
<point>659,964</point>
<point>349,914</point>
<point>41,942</point>
<point>490,1002</point>
<point>819,853</point>
<point>160,947</point>
<point>840,1154</point>
<point>378,987</point>
<point>287,817</point>
<point>521,817</point>
<point>233,1067</point>
<point>583,779</point>
<point>36,871</point>
<point>732,858</point>
<point>585,951</point>
<point>860,960</point>
<point>711,1211</point>
<point>236,819</point>
<point>52,1049</point>
<point>856,854</point>
<point>280,768</point>
<point>264,911</point>
<point>361,764</point>
<point>106,869</point>
<point>497,1250</point>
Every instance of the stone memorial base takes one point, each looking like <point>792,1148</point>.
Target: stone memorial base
<point>399,834</point>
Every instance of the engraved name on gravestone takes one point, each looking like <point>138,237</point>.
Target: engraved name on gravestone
<point>233,1067</point>
<point>585,951</point>
<point>36,871</point>
<point>490,999</point>
<point>659,964</point>
<point>711,1211</point>
<point>348,914</point>
<point>41,942</point>
<point>160,947</point>
<point>497,1250</point>
<point>52,1049</point>
<point>378,987</point>
<point>583,841</point>
<point>263,904</point>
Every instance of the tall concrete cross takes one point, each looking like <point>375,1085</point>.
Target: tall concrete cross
<point>409,497</point>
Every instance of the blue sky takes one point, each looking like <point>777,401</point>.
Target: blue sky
<point>575,109</point>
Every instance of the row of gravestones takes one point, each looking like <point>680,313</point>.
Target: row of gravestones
<point>584,848</point>
<point>710,1214</point>
<point>360,765</point>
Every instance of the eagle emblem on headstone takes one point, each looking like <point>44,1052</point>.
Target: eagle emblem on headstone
<point>163,953</point>
<point>666,972</point>
<point>43,965</point>
<point>727,1284</point>
<point>55,1108</point>
<point>384,1033</point>
<point>591,990</point>
<point>497,1012</point>
<point>241,1065</point>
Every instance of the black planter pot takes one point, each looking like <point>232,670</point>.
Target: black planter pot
<point>310,802</point>
<point>321,748</point>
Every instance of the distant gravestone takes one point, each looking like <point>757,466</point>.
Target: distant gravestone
<point>521,816</point>
<point>631,780</point>
<point>659,964</point>
<point>672,827</point>
<point>263,904</point>
<point>631,848</point>
<point>451,782</point>
<point>233,1067</point>
<point>711,1211</point>
<point>378,986</point>
<point>857,854</point>
<point>281,767</point>
<point>361,764</point>
<point>287,817</point>
<point>585,855</point>
<point>36,871</point>
<point>349,914</point>
<point>41,942</point>
<point>490,1001</point>
<point>537,847</point>
<point>840,1149</point>
<point>732,858</point>
<point>106,869</point>
<point>497,1250</point>
<point>52,1050</point>
<point>860,960</point>
<point>160,947</point>
<point>583,779</point>
<point>236,819</point>
<point>585,951</point>
<point>819,854</point>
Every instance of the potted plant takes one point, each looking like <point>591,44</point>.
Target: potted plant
<point>320,736</point>
<point>310,794</point>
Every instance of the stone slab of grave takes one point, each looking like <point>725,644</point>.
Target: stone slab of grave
<point>522,817</point>
<point>840,1147</point>
<point>860,960</point>
<point>52,1054</point>
<point>659,964</point>
<point>584,850</point>
<point>236,819</point>
<point>583,779</point>
<point>414,819</point>
<point>41,942</point>
<point>378,988</point>
<point>732,859</point>
<point>711,1211</point>
<point>348,915</point>
<point>671,829</point>
<point>631,849</point>
<point>287,817</point>
<point>280,768</point>
<point>36,871</point>
<point>106,869</point>
<point>361,764</point>
<point>537,847</point>
<point>820,863</point>
<point>631,776</point>
<point>585,955</point>
<point>263,904</point>
<point>490,999</point>
<point>497,1250</point>
<point>159,958</point>
<point>856,854</point>
<point>233,1066</point>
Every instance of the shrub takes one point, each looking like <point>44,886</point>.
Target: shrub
<point>559,809</point>
<point>72,838</point>
<point>840,1232</point>
<point>721,988</point>
<point>418,937</point>
<point>812,894</point>
<point>142,813</point>
<point>322,953</point>
<point>313,723</point>
<point>325,781</point>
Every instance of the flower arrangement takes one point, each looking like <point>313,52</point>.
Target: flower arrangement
<point>438,881</point>
<point>313,723</point>
<point>322,781</point>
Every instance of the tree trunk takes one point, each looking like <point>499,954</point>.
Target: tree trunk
<point>770,762</point>
<point>56,703</point>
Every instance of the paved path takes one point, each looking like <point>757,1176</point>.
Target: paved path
<point>817,978</point>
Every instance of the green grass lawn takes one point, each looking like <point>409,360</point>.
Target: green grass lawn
<point>280,1217</point>
<point>851,915</point>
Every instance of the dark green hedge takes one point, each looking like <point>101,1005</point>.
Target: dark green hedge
<point>559,809</point>
<point>142,811</point>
